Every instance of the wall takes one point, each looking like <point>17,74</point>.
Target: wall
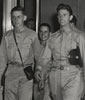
<point>30,8</point>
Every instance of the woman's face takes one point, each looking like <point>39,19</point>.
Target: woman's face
<point>64,17</point>
<point>44,33</point>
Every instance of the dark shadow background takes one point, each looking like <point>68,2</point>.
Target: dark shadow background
<point>55,23</point>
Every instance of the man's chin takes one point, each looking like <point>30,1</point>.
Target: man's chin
<point>45,39</point>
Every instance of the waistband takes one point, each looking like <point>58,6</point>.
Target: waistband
<point>66,67</point>
<point>17,64</point>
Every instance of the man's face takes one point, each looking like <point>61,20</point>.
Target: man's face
<point>44,33</point>
<point>31,25</point>
<point>64,17</point>
<point>17,18</point>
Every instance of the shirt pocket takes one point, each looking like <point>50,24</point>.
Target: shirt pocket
<point>25,47</point>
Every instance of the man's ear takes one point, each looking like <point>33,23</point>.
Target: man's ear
<point>25,17</point>
<point>71,17</point>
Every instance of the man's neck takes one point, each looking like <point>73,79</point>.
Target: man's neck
<point>66,29</point>
<point>19,29</point>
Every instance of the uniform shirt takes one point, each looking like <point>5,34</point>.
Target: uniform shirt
<point>9,53</point>
<point>61,43</point>
<point>43,56</point>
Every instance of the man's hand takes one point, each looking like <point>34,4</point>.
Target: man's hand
<point>38,76</point>
<point>41,85</point>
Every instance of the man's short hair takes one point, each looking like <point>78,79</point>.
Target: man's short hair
<point>17,8</point>
<point>66,7</point>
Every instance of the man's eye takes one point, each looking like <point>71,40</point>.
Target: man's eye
<point>40,31</point>
<point>19,16</point>
<point>43,32</point>
<point>64,14</point>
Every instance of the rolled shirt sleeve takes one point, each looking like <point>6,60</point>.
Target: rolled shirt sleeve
<point>3,58</point>
<point>3,64</point>
<point>82,50</point>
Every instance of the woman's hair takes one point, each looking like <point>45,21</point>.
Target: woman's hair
<point>74,20</point>
<point>66,7</point>
<point>45,24</point>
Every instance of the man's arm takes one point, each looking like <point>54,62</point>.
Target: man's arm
<point>3,58</point>
<point>3,63</point>
<point>82,50</point>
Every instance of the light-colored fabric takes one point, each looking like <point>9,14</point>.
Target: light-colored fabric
<point>15,73</point>
<point>55,85</point>
<point>18,89</point>
<point>43,59</point>
<point>47,92</point>
<point>3,61</point>
<point>1,96</point>
<point>25,41</point>
<point>72,83</point>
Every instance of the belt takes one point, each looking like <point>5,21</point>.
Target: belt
<point>17,64</point>
<point>60,67</point>
<point>63,67</point>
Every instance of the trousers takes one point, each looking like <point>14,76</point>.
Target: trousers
<point>17,86</point>
<point>71,83</point>
<point>41,95</point>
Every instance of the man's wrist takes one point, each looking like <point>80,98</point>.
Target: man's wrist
<point>39,68</point>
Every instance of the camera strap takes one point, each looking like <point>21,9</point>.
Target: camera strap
<point>18,48</point>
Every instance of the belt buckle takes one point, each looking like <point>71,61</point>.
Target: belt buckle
<point>61,67</point>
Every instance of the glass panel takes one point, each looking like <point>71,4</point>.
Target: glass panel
<point>1,18</point>
<point>7,6</point>
<point>32,12</point>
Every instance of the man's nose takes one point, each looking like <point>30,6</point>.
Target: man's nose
<point>16,19</point>
<point>61,17</point>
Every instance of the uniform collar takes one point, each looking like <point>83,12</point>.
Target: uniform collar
<point>19,30</point>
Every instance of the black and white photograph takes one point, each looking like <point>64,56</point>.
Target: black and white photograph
<point>42,49</point>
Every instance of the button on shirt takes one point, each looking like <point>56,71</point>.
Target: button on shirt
<point>9,52</point>
<point>62,43</point>
<point>24,39</point>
